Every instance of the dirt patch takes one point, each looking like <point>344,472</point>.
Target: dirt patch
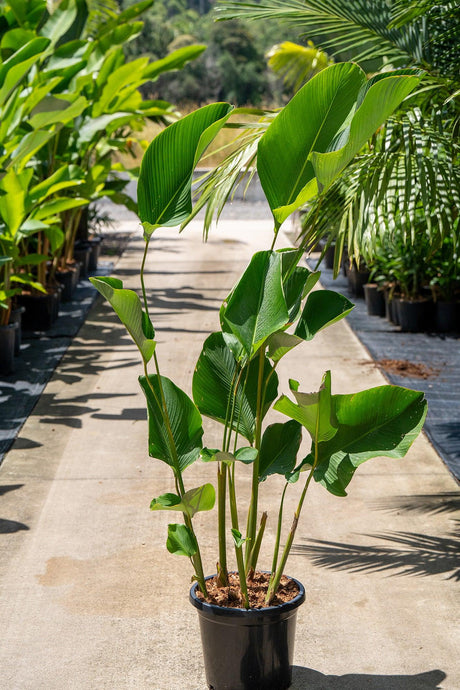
<point>231,596</point>
<point>402,367</point>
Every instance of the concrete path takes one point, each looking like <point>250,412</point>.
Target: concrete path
<point>86,599</point>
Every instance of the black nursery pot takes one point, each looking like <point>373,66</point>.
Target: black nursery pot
<point>41,310</point>
<point>248,649</point>
<point>375,300</point>
<point>16,317</point>
<point>7,339</point>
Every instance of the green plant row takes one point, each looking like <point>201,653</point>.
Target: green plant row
<point>68,102</point>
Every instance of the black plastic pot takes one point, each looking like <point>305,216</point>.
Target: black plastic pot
<point>447,317</point>
<point>248,649</point>
<point>81,253</point>
<point>16,317</point>
<point>95,245</point>
<point>357,280</point>
<point>41,310</point>
<point>391,312</point>
<point>68,280</point>
<point>415,316</point>
<point>375,301</point>
<point>7,338</point>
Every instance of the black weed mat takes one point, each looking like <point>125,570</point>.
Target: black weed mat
<point>429,362</point>
<point>40,354</point>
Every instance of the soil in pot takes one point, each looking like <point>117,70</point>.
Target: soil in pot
<point>248,649</point>
<point>7,339</point>
<point>375,300</point>
<point>415,316</point>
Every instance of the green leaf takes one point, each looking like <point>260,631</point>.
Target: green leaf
<point>214,381</point>
<point>314,411</point>
<point>280,343</point>
<point>62,114</point>
<point>181,541</point>
<point>238,538</point>
<point>322,309</point>
<point>127,306</point>
<point>256,308</point>
<point>164,187</point>
<point>173,61</point>
<point>320,130</point>
<point>247,455</point>
<point>382,421</point>
<point>184,424</point>
<point>195,500</point>
<point>280,445</point>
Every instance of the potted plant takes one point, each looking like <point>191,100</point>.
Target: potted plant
<point>249,609</point>
<point>444,269</point>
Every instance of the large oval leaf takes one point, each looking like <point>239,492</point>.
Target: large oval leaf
<point>257,307</point>
<point>382,421</point>
<point>127,306</point>
<point>165,179</point>
<point>278,451</point>
<point>184,423</point>
<point>214,382</point>
<point>320,130</point>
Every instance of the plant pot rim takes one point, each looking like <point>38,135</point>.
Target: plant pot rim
<point>9,326</point>
<point>215,609</point>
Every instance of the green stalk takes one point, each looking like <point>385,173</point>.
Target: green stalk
<point>258,542</point>
<point>221,524</point>
<point>278,531</point>
<point>252,513</point>
<point>196,559</point>
<point>235,525</point>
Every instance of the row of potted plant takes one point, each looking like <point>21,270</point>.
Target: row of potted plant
<point>69,100</point>
<point>414,285</point>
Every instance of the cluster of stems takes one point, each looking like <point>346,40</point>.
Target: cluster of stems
<point>226,489</point>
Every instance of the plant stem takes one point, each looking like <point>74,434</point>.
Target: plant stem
<point>252,513</point>
<point>277,576</point>
<point>221,522</point>
<point>258,542</point>
<point>278,531</point>
<point>235,525</point>
<point>196,558</point>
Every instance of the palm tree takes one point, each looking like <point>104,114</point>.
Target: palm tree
<point>407,179</point>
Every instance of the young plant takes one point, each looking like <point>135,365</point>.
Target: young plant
<point>270,311</point>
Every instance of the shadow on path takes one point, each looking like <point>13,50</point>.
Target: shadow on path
<point>308,679</point>
<point>418,554</point>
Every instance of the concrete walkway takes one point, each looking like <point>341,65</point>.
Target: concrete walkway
<point>86,595</point>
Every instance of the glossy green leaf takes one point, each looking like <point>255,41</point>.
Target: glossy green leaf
<point>280,343</point>
<point>182,446</point>
<point>195,500</point>
<point>314,411</point>
<point>256,308</point>
<point>320,130</point>
<point>279,448</point>
<point>238,538</point>
<point>127,306</point>
<point>174,60</point>
<point>181,541</point>
<point>165,179</point>
<point>382,421</point>
<point>322,309</point>
<point>214,381</point>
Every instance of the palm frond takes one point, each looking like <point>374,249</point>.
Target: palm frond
<point>339,26</point>
<point>296,63</point>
